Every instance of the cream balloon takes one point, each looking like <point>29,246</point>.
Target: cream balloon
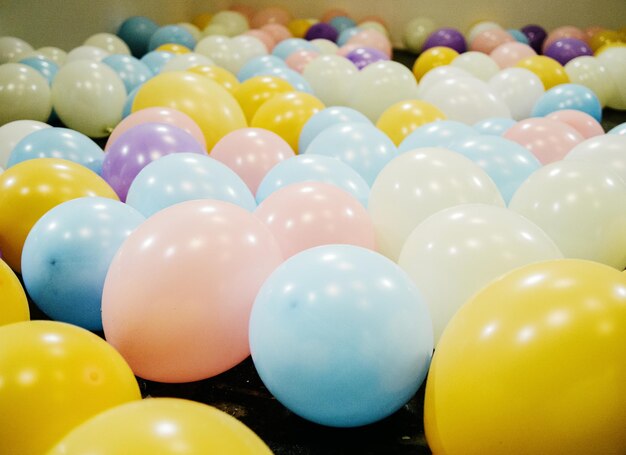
<point>58,56</point>
<point>581,205</point>
<point>90,53</point>
<point>109,42</point>
<point>609,149</point>
<point>438,74</point>
<point>455,252</point>
<point>614,60</point>
<point>476,63</point>
<point>183,62</point>
<point>214,30</point>
<point>331,77</point>
<point>13,49</point>
<point>24,94</point>
<point>14,132</point>
<point>231,53</point>
<point>324,46</point>
<point>591,73</point>
<point>419,183</point>
<point>416,32</point>
<point>233,22</point>
<point>519,89</point>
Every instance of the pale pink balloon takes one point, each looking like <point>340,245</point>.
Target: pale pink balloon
<point>506,55</point>
<point>567,31</point>
<point>488,40</point>
<point>585,124</point>
<point>298,60</point>
<point>549,140</point>
<point>347,48</point>
<point>178,294</point>
<point>309,214</point>
<point>158,115</point>
<point>271,15</point>
<point>372,38</point>
<point>278,31</point>
<point>251,153</point>
<point>268,40</point>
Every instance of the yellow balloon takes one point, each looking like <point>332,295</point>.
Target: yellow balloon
<point>13,301</point>
<point>608,46</point>
<point>208,103</point>
<point>223,77</point>
<point>202,20</point>
<point>299,27</point>
<point>604,37</point>
<point>432,58</point>
<point>173,48</point>
<point>285,114</point>
<point>400,119</point>
<point>533,363</point>
<point>252,93</point>
<point>53,377</point>
<point>547,69</point>
<point>31,188</point>
<point>162,426</point>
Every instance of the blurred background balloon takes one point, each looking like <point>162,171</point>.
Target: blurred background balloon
<point>401,119</point>
<point>14,306</point>
<point>13,132</point>
<point>26,91</point>
<point>477,64</point>
<point>136,32</point>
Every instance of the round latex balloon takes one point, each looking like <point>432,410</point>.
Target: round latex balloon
<point>132,72</point>
<point>437,134</point>
<point>109,42</point>
<point>223,77</point>
<point>565,49</point>
<point>401,119</point>
<point>55,54</point>
<point>231,53</point>
<point>46,67</point>
<point>185,61</point>
<point>88,53</point>
<point>548,70</point>
<point>331,77</point>
<point>299,60</point>
<point>254,92</point>
<point>568,96</point>
<point>14,305</point>
<point>174,34</point>
<point>447,37</point>
<point>271,15</point>
<point>439,74</point>
<point>591,73</point>
<point>268,40</point>
<point>494,126</point>
<point>326,118</point>
<point>68,371</point>
<point>416,32</point>
<point>136,32</point>
<point>184,266</point>
<point>614,60</point>
<point>234,22</point>
<point>585,124</point>
<point>619,130</point>
<point>540,345</point>
<point>14,132</point>
<point>607,149</point>
<point>507,55</point>
<point>24,93</point>
<point>519,89</point>
<point>344,309</point>
<point>297,81</point>
<point>536,36</point>
<point>432,58</point>
<point>156,60</point>
<point>13,49</point>
<point>566,31</point>
<point>481,26</point>
<point>488,40</point>
<point>372,39</point>
<point>477,64</point>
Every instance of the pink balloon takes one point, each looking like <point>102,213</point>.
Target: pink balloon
<point>585,124</point>
<point>298,60</point>
<point>347,48</point>
<point>309,214</point>
<point>157,115</point>
<point>278,31</point>
<point>373,39</point>
<point>267,39</point>
<point>506,55</point>
<point>567,31</point>
<point>251,153</point>
<point>178,294</point>
<point>547,139</point>
<point>487,41</point>
<point>271,15</point>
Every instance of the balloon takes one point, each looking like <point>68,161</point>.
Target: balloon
<point>89,97</point>
<point>223,77</point>
<point>614,60</point>
<point>540,345</point>
<point>322,30</point>
<point>47,68</point>
<point>207,103</point>
<point>14,306</point>
<point>416,31</point>
<point>488,40</point>
<point>231,53</point>
<point>481,27</point>
<point>401,119</point>
<point>536,36</point>
<point>326,118</point>
<point>519,89</point>
<point>271,15</point>
<point>287,47</point>
<point>295,79</point>
<point>138,427</point>
<point>419,183</point>
<point>447,37</point>
<point>234,22</point>
<point>299,27</point>
<point>372,39</point>
<point>363,56</point>
<point>519,36</point>
<point>325,47</point>
<point>603,38</point>
<point>68,371</point>
<point>185,61</point>
<point>508,54</point>
<point>184,266</point>
<point>334,13</point>
<point>432,58</point>
<point>300,59</point>
<point>136,32</point>
<point>251,153</point>
<point>568,96</point>
<point>14,132</point>
<point>439,74</point>
<point>346,34</point>
<point>13,49</point>
<point>352,324</point>
<point>548,70</point>
<point>585,124</point>
<point>309,214</point>
<point>89,53</point>
<point>331,78</point>
<point>566,31</point>
<point>256,65</point>
<point>60,143</point>
<point>591,73</point>
<point>477,64</point>
<point>156,60</point>
<point>24,93</point>
<point>565,49</point>
<point>109,42</point>
<point>285,114</point>
<point>67,254</point>
<point>618,130</point>
<point>52,53</point>
<point>191,28</point>
<point>171,34</point>
<point>608,149</point>
<point>437,134</point>
<point>202,20</point>
<point>581,205</point>
<point>278,31</point>
<point>494,126</point>
<point>255,91</point>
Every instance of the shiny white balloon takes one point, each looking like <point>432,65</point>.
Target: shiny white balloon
<point>331,77</point>
<point>24,94</point>
<point>591,73</point>
<point>13,49</point>
<point>519,89</point>
<point>440,74</point>
<point>90,53</point>
<point>109,42</point>
<point>477,64</point>
<point>609,149</point>
<point>614,60</point>
<point>183,62</point>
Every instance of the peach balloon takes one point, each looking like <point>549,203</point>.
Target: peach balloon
<point>347,48</point>
<point>271,15</point>
<point>278,31</point>
<point>298,60</point>
<point>332,13</point>
<point>372,38</point>
<point>309,214</point>
<point>591,31</point>
<point>585,124</point>
<point>487,41</point>
<point>506,55</point>
<point>265,37</point>
<point>246,10</point>
<point>178,294</point>
<point>567,31</point>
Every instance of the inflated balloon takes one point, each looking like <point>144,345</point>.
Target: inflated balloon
<point>47,68</point>
<point>171,34</point>
<point>176,49</point>
<point>332,78</point>
<point>13,49</point>
<point>325,47</point>
<point>55,54</point>
<point>68,371</point>
<point>326,118</point>
<point>295,79</point>
<point>488,40</point>
<point>565,49</point>
<point>300,27</point>
<point>88,53</point>
<point>184,266</point>
<point>271,15</point>
<point>268,40</point>
<point>437,134</point>
<point>540,345</point>
<point>256,65</point>
<point>231,53</point>
<point>322,30</point>
<point>156,60</point>
<point>432,58</point>
<point>439,74</point>
<point>346,34</point>
<point>614,60</point>
<point>494,126</point>
<point>401,119</point>
<point>344,309</point>
<point>536,36</point>
<point>519,36</point>
<point>585,124</point>
<point>287,47</point>
<point>185,61</point>
<point>566,31</point>
<point>67,254</point>
<point>568,96</point>
<point>109,42</point>
<point>363,56</point>
<point>607,149</point>
<point>619,129</point>
<point>234,22</point>
<point>480,27</point>
<point>477,64</point>
<point>507,55</point>
<point>136,32</point>
<point>446,37</point>
<point>254,92</point>
<point>26,92</point>
<point>278,31</point>
<point>519,89</point>
<point>343,23</point>
<point>591,73</point>
<point>548,70</point>
<point>372,39</point>
<point>191,28</point>
<point>14,306</point>
<point>14,132</point>
<point>416,32</point>
<point>300,59</point>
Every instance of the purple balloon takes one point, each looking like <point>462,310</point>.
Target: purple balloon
<point>139,146</point>
<point>322,30</point>
<point>536,36</point>
<point>447,37</point>
<point>363,56</point>
<point>565,49</point>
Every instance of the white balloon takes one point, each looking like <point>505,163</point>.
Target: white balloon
<point>109,42</point>
<point>247,47</point>
<point>590,72</point>
<point>416,32</point>
<point>519,89</point>
<point>614,60</point>
<point>331,77</point>
<point>13,49</point>
<point>609,149</point>
<point>231,53</point>
<point>325,46</point>
<point>185,61</point>
<point>439,74</point>
<point>24,94</point>
<point>13,132</point>
<point>90,53</point>
<point>58,56</point>
<point>214,30</point>
<point>234,22</point>
<point>477,64</point>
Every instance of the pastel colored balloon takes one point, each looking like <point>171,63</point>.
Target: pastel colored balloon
<point>536,36</point>
<point>363,56</point>
<point>477,64</point>
<point>231,53</point>
<point>585,124</point>
<point>14,306</point>
<point>326,118</point>
<point>234,22</point>
<point>322,31</point>
<point>448,37</point>
<point>109,42</point>
<point>432,58</point>
<point>268,40</point>
<point>401,119</point>
<point>210,245</point>
<point>373,39</point>
<point>607,149</point>
<point>278,31</point>
<point>254,92</point>
<point>89,53</point>
<point>437,134</point>
<point>489,40</point>
<point>568,96</point>
<point>295,79</point>
<point>547,69</point>
<point>287,47</point>
<point>171,34</point>
<point>223,77</point>
<point>494,126</point>
<point>156,60</point>
<point>508,54</point>
<point>173,48</point>
<point>592,73</point>
<point>331,77</point>
<point>566,31</point>
<point>47,68</point>
<point>480,27</point>
<point>52,53</point>
<point>420,183</point>
<point>416,31</point>
<point>619,129</point>
<point>13,132</point>
<point>26,91</point>
<point>13,49</point>
<point>439,74</point>
<point>346,34</point>
<point>136,32</point>
<point>131,71</point>
<point>614,60</point>
<point>333,13</point>
<point>340,295</point>
<point>251,153</point>
<point>603,38</point>
<point>519,36</point>
<point>271,15</point>
<point>325,47</point>
<point>256,65</point>
<point>185,61</point>
<point>342,23</point>
<point>519,88</point>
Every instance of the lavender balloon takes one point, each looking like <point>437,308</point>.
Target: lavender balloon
<point>322,30</point>
<point>363,56</point>
<point>565,49</point>
<point>447,37</point>
<point>139,146</point>
<point>536,36</point>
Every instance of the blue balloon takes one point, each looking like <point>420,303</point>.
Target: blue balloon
<point>128,105</point>
<point>568,96</point>
<point>346,34</point>
<point>518,35</point>
<point>619,129</point>
<point>136,32</point>
<point>67,254</point>
<point>174,34</point>
<point>46,67</point>
<point>156,60</point>
<point>495,126</point>
<point>506,162</point>
<point>60,143</point>
<point>441,133</point>
<point>360,145</point>
<point>342,23</point>
<point>181,177</point>
<point>256,65</point>
<point>132,72</point>
<point>296,79</point>
<point>287,47</point>
<point>326,118</point>
<point>318,168</point>
<point>340,335</point>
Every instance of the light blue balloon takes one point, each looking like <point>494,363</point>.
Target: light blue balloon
<point>441,133</point>
<point>506,162</point>
<point>494,126</point>
<point>341,336</point>
<point>568,96</point>
<point>183,177</point>
<point>327,118</point>
<point>318,168</point>
<point>342,23</point>
<point>174,34</point>
<point>156,60</point>
<point>46,67</point>
<point>296,79</point>
<point>362,146</point>
<point>60,143</point>
<point>287,47</point>
<point>256,65</point>
<point>518,35</point>
<point>619,129</point>
<point>128,104</point>
<point>132,72</point>
<point>346,34</point>
<point>67,254</point>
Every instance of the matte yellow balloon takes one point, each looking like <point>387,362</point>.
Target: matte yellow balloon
<point>547,69</point>
<point>533,363</point>
<point>164,426</point>
<point>432,58</point>
<point>603,38</point>
<point>285,114</point>
<point>252,93</point>
<point>208,103</point>
<point>31,188</point>
<point>399,120</point>
<point>177,49</point>
<point>13,302</point>
<point>223,77</point>
<point>53,377</point>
